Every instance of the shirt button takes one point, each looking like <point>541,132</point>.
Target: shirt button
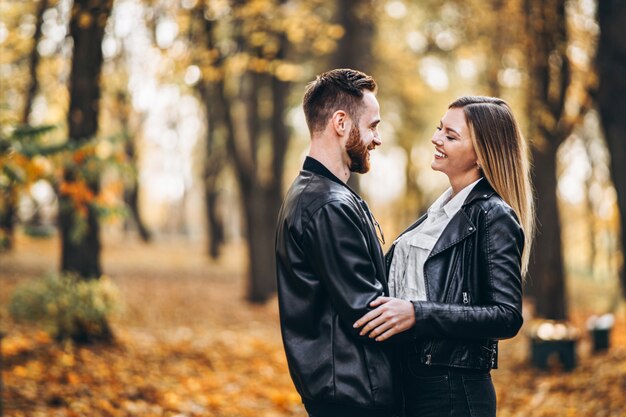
<point>471,228</point>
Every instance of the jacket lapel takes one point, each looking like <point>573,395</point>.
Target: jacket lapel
<point>459,227</point>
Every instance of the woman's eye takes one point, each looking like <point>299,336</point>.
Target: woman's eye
<point>438,128</point>
<point>450,138</point>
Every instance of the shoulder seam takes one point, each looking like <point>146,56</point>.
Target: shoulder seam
<point>305,225</point>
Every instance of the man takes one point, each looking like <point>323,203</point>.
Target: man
<point>329,262</point>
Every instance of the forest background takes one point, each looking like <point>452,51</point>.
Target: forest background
<point>146,145</point>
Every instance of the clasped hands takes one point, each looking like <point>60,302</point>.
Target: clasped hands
<point>389,317</point>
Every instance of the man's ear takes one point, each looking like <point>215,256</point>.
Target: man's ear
<point>341,122</point>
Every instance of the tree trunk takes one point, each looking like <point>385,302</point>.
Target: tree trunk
<point>611,98</point>
<point>131,191</point>
<point>131,197</point>
<point>34,63</point>
<point>261,203</point>
<point>261,211</point>
<point>7,216</point>
<point>80,252</point>
<point>262,199</point>
<point>590,205</point>
<point>79,255</point>
<point>355,46</point>
<point>260,194</point>
<point>10,194</point>
<point>549,78</point>
<point>214,162</point>
<point>261,241</point>
<point>214,221</point>
<point>498,40</point>
<point>215,156</point>
<point>547,274</point>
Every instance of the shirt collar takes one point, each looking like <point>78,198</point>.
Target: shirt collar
<point>451,206</point>
<point>316,167</point>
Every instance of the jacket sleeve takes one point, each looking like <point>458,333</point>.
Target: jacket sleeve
<point>340,256</point>
<point>499,315</point>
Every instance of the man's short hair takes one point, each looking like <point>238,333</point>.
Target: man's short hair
<point>338,89</point>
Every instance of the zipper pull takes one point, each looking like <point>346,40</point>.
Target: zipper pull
<point>429,359</point>
<point>465,298</point>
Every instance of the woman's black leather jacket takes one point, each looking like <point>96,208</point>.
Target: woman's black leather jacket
<point>473,285</point>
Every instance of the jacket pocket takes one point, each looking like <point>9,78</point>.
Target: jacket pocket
<point>351,368</point>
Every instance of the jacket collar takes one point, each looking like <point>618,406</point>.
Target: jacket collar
<point>460,225</point>
<point>316,167</point>
<point>313,165</point>
<point>482,190</point>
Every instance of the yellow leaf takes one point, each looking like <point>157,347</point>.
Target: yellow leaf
<point>20,371</point>
<point>72,378</point>
<point>85,20</point>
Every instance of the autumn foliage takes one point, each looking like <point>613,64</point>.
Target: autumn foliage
<point>188,346</point>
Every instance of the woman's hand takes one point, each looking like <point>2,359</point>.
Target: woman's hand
<point>391,316</point>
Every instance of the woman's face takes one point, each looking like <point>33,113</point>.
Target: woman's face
<point>454,151</point>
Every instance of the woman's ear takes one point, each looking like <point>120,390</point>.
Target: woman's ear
<point>341,123</point>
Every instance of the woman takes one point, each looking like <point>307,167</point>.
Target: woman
<point>456,274</point>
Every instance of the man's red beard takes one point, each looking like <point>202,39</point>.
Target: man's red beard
<point>358,152</point>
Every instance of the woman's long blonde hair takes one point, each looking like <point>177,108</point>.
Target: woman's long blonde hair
<point>503,157</point>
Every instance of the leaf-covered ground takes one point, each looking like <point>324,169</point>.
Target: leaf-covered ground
<point>187,345</point>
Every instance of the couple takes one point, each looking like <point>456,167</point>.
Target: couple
<point>414,332</point>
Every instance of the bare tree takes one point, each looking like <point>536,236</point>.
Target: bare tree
<point>549,78</point>
<point>203,34</point>
<point>611,99</point>
<point>131,189</point>
<point>256,139</point>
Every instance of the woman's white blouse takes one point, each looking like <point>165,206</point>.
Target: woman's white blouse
<point>406,272</point>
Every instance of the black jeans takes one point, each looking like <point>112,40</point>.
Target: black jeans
<point>340,410</point>
<point>433,391</point>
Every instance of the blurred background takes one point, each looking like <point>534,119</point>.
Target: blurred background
<point>145,146</point>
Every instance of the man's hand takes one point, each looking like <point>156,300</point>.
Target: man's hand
<point>391,316</point>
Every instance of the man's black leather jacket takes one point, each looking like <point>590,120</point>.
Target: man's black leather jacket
<point>473,285</point>
<point>330,266</point>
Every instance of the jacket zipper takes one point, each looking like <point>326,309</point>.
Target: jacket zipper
<point>465,297</point>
